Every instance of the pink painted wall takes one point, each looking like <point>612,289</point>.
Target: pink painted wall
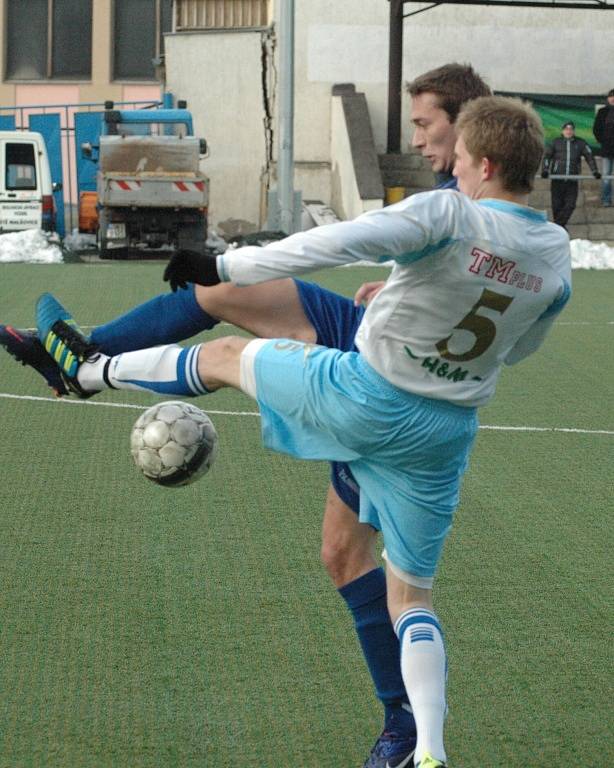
<point>45,94</point>
<point>141,93</point>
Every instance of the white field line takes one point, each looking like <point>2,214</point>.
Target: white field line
<point>133,407</point>
<point>99,403</point>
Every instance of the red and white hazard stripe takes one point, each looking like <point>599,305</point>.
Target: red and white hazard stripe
<point>125,186</point>
<point>188,186</point>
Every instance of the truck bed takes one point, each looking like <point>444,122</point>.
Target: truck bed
<point>153,190</point>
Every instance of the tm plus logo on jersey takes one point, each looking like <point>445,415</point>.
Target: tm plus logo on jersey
<point>496,268</point>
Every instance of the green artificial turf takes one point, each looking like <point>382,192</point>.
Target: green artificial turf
<point>149,627</point>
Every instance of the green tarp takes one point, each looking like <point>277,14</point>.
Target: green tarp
<point>556,110</point>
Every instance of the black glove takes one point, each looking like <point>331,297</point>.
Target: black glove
<point>544,174</point>
<point>596,174</point>
<point>191,267</point>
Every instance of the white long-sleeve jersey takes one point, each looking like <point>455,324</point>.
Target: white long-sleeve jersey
<point>475,284</point>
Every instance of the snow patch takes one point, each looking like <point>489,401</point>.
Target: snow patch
<point>79,241</point>
<point>31,245</point>
<point>587,255</point>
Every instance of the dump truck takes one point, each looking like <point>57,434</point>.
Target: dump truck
<point>150,192</point>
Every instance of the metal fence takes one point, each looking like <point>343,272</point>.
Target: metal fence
<point>61,125</point>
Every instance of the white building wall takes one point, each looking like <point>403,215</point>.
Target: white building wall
<point>219,75</point>
<point>337,41</point>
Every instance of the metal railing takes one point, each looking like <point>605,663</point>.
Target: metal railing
<point>67,112</point>
<point>576,177</point>
<point>221,14</point>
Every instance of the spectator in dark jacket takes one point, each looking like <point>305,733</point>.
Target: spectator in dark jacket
<point>564,158</point>
<point>603,128</point>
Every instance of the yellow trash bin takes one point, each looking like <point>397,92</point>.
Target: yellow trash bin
<point>394,194</point>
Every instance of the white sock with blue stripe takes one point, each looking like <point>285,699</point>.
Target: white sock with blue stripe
<point>167,370</point>
<point>424,668</point>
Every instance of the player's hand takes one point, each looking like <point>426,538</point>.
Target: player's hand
<point>544,174</point>
<point>596,174</point>
<point>191,267</point>
<point>367,292</point>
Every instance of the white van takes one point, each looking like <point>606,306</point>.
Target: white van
<point>26,191</point>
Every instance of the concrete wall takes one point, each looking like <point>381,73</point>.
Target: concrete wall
<point>351,195</point>
<point>345,197</point>
<point>520,49</point>
<point>220,76</point>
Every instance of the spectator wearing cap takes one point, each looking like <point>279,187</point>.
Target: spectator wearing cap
<point>603,128</point>
<point>563,157</point>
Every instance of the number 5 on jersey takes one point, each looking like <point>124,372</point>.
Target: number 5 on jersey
<point>483,328</point>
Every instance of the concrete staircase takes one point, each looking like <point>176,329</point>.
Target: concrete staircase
<point>409,171</point>
<point>590,221</point>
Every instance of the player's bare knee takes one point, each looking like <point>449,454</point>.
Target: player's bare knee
<point>345,556</point>
<point>218,361</point>
<point>334,553</point>
<point>302,331</point>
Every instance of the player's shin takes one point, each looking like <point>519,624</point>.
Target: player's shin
<point>423,665</point>
<point>167,370</point>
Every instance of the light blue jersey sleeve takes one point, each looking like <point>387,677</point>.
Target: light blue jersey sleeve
<point>530,341</point>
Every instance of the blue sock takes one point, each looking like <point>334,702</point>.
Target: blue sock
<point>366,599</point>
<point>165,319</point>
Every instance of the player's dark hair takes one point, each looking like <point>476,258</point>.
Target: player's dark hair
<point>509,133</point>
<point>453,84</point>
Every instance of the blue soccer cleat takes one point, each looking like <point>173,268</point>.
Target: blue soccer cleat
<point>392,750</point>
<point>63,341</point>
<point>26,348</point>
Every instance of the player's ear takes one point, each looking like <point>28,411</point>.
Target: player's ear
<point>489,168</point>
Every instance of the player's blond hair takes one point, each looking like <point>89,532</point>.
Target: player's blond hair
<point>509,133</point>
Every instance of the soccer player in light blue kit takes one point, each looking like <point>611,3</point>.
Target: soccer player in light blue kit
<point>310,313</point>
<point>478,279</point>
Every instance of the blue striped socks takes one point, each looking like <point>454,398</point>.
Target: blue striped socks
<point>167,370</point>
<point>424,669</point>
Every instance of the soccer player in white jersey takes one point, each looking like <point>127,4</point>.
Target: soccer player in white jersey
<point>478,280</point>
<point>308,312</point>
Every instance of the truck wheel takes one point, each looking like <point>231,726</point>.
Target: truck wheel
<point>101,241</point>
<point>101,244</point>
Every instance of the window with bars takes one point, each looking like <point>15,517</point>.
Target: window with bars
<point>48,39</point>
<point>138,37</point>
<point>221,14</point>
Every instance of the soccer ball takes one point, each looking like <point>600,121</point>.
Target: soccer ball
<point>173,443</point>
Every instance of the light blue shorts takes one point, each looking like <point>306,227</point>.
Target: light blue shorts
<point>407,453</point>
